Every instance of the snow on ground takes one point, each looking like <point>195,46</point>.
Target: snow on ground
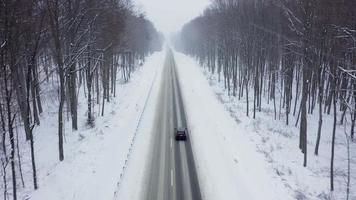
<point>95,158</point>
<point>243,158</point>
<point>136,177</point>
<point>237,157</point>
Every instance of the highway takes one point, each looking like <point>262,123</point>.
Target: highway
<point>172,170</point>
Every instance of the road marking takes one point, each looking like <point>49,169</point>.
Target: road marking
<point>171,144</point>
<point>172,177</point>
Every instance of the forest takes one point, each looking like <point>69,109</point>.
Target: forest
<point>69,46</point>
<point>298,55</point>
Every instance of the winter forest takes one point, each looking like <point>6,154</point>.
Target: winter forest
<point>177,99</point>
<point>58,48</point>
<point>297,55</point>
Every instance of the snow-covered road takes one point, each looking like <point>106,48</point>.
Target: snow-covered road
<point>170,169</point>
<point>116,159</point>
<point>228,167</point>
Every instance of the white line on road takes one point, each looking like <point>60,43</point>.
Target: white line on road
<point>171,144</point>
<point>172,177</point>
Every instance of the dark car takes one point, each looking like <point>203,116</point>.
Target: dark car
<point>180,133</point>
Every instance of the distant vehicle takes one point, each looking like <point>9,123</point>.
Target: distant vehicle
<point>180,133</point>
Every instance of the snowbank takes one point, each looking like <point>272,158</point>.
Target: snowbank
<point>96,158</point>
<point>135,179</point>
<point>228,165</point>
<point>278,161</point>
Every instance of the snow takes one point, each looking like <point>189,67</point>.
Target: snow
<point>237,157</point>
<point>228,168</point>
<point>136,177</point>
<point>96,158</point>
<point>243,158</point>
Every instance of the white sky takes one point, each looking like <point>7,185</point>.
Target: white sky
<point>170,15</point>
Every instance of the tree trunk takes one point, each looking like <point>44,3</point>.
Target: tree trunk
<point>10,118</point>
<point>333,141</point>
<point>33,162</point>
<point>53,10</point>
<point>19,158</point>
<point>321,94</point>
<point>3,129</point>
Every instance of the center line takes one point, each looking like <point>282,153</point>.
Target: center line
<point>171,144</point>
<point>172,177</point>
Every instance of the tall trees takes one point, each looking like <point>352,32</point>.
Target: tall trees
<point>54,14</point>
<point>295,49</point>
<point>70,45</point>
<point>307,8</point>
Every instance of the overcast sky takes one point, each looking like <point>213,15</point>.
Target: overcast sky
<point>169,15</point>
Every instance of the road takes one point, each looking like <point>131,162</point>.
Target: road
<point>172,172</point>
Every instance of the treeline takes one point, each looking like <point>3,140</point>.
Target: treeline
<point>68,44</point>
<point>302,52</point>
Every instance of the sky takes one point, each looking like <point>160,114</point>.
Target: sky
<point>170,15</point>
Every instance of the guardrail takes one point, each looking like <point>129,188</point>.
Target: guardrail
<point>128,154</point>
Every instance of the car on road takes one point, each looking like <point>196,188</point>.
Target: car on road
<point>180,133</point>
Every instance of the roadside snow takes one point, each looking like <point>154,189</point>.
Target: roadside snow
<point>237,157</point>
<point>95,158</point>
<point>135,179</point>
<point>228,165</point>
<point>278,143</point>
<point>225,142</point>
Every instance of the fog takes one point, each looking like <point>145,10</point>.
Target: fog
<point>170,15</point>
